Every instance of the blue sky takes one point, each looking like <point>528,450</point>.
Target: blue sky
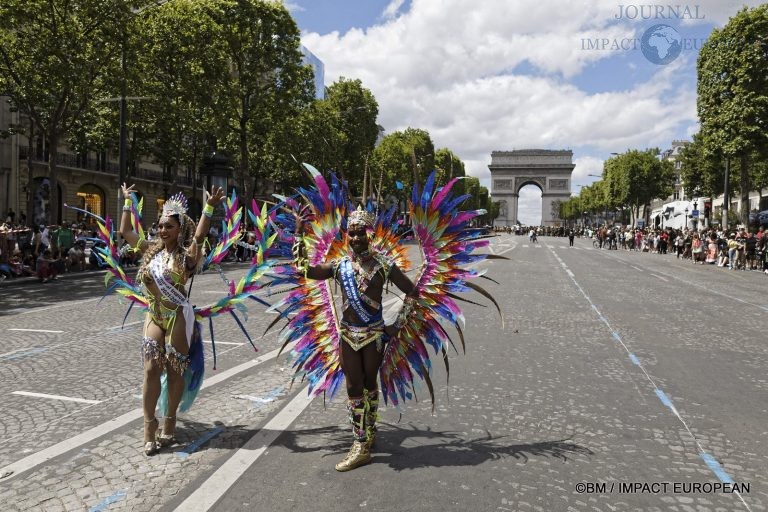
<point>504,74</point>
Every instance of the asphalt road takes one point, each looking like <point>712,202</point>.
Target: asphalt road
<point>620,381</point>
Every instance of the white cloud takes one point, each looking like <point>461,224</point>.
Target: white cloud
<point>293,6</point>
<point>450,66</point>
<point>392,9</point>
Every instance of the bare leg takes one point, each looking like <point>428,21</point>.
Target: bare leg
<point>352,366</point>
<point>153,369</point>
<point>175,367</point>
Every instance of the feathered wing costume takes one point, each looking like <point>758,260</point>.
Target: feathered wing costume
<point>446,243</point>
<point>117,281</point>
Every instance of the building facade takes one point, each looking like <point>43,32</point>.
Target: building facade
<point>318,68</point>
<point>681,210</point>
<point>86,181</point>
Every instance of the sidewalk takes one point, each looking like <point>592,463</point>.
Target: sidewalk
<point>67,276</point>
<point>72,276</point>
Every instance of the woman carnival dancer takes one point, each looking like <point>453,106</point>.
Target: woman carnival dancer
<point>361,252</point>
<point>167,265</point>
<point>172,348</point>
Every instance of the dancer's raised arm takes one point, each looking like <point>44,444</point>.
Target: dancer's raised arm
<point>203,225</point>
<point>126,230</point>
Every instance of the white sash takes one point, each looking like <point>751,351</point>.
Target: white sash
<point>172,294</point>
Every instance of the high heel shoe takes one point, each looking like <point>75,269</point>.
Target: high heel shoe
<point>151,447</point>
<point>168,437</point>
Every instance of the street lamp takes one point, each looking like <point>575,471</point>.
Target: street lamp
<point>695,219</point>
<point>686,217</point>
<point>216,170</point>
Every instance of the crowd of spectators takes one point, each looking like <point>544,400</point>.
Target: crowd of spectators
<point>48,251</point>
<point>45,251</point>
<point>734,249</point>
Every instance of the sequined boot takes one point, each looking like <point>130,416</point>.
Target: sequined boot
<point>359,454</point>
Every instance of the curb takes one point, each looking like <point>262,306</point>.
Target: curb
<point>13,282</point>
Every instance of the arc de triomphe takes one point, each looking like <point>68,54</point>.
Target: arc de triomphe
<point>548,169</point>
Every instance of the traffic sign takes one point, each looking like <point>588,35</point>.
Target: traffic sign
<point>695,213</point>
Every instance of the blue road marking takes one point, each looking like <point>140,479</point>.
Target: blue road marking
<point>108,501</point>
<point>664,399</point>
<point>634,359</point>
<point>26,353</point>
<point>193,446</point>
<point>616,336</point>
<point>716,468</point>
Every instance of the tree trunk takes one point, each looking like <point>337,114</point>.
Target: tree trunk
<point>193,173</point>
<point>744,185</point>
<point>53,152</point>
<point>30,176</point>
<point>244,162</point>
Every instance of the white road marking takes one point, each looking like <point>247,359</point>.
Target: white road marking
<point>35,459</point>
<point>209,492</point>
<point>662,278</point>
<point>56,397</point>
<point>66,304</point>
<point>122,326</point>
<point>225,342</point>
<point>35,330</point>
<point>14,351</point>
<point>637,268</point>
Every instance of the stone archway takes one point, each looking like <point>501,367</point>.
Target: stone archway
<point>548,169</point>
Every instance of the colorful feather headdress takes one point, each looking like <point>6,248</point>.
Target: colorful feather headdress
<point>175,205</point>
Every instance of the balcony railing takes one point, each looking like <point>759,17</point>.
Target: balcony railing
<point>92,164</point>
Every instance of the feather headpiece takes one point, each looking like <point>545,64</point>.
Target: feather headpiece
<point>361,217</point>
<point>175,205</point>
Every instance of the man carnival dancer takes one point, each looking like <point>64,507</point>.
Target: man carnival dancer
<point>354,345</point>
<point>167,264</point>
<point>362,275</point>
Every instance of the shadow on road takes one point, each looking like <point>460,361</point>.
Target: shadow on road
<point>33,294</point>
<point>408,447</point>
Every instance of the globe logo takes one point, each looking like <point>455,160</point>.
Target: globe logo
<point>661,44</point>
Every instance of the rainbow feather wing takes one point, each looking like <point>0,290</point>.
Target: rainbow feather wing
<point>122,284</point>
<point>447,244</point>
<point>313,322</point>
<point>137,205</point>
<point>230,232</point>
<point>255,279</point>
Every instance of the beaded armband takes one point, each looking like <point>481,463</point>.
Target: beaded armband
<point>402,317</point>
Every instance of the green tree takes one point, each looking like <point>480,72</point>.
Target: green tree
<point>176,70</point>
<point>404,157</point>
<point>53,57</point>
<point>634,178</point>
<point>700,168</point>
<point>448,165</point>
<point>733,91</point>
<point>265,82</point>
<point>354,116</point>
